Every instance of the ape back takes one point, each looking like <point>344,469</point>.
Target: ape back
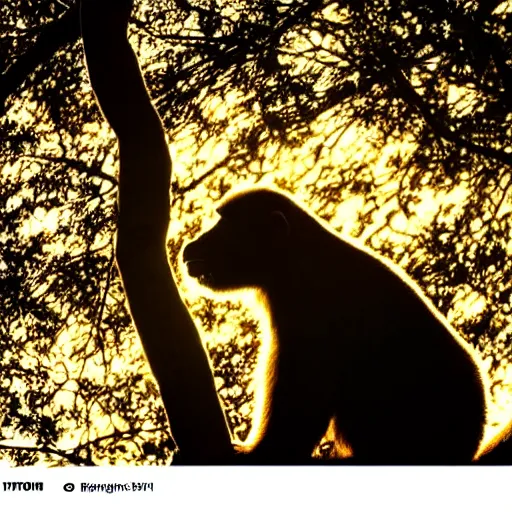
<point>355,339</point>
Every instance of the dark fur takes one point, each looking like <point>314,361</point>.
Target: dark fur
<point>356,340</point>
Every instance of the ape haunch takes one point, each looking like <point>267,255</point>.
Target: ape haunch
<point>356,341</point>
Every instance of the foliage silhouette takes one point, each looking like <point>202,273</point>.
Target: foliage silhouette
<point>426,87</point>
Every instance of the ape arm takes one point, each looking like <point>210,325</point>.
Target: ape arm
<point>170,339</point>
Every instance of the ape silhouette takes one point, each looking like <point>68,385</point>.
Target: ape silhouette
<point>355,339</point>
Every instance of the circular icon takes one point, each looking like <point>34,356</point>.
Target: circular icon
<point>69,487</point>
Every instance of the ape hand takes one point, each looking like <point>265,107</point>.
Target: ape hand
<point>106,15</point>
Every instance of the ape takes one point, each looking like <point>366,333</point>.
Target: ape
<point>355,340</point>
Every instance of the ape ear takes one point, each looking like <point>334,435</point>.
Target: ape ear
<point>279,225</point>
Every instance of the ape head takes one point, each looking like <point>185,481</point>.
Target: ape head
<point>247,248</point>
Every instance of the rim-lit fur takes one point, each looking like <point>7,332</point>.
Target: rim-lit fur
<point>355,340</point>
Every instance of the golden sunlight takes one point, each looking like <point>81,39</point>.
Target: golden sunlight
<point>331,145</point>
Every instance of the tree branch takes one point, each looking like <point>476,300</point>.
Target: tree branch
<point>78,165</point>
<point>407,93</point>
<point>192,184</point>
<point>64,30</point>
<point>190,40</point>
<point>70,456</point>
<point>484,46</point>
